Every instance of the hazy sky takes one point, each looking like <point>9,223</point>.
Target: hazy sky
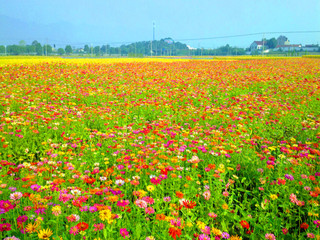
<point>106,21</point>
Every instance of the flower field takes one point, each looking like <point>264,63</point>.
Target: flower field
<point>165,149</point>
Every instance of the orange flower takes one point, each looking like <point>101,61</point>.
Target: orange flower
<point>161,217</point>
<point>179,194</point>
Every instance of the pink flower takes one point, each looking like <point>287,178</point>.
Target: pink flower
<point>293,198</point>
<point>74,230</point>
<point>310,235</point>
<point>124,232</point>
<point>98,226</point>
<point>206,195</point>
<point>149,210</point>
<point>270,236</point>
<point>141,203</point>
<point>15,196</point>
<point>285,231</point>
<point>123,203</point>
<point>212,215</point>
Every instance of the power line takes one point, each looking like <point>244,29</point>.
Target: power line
<point>244,35</point>
<point>56,41</point>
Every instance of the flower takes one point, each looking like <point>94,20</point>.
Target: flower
<point>141,203</point>
<point>304,226</point>
<point>212,215</point>
<point>35,187</point>
<point>11,238</point>
<point>273,196</point>
<point>310,235</point>
<point>82,226</point>
<point>5,227</point>
<point>225,206</point>
<point>74,230</point>
<point>189,204</point>
<point>5,206</point>
<point>149,210</point>
<point>106,215</point>
<point>285,231</point>
<point>45,233</point>
<point>98,226</point>
<point>150,188</point>
<point>124,232</point>
<point>245,224</point>
<point>204,237</point>
<point>32,227</point>
<point>270,236</point>
<point>225,235</point>
<point>16,196</point>
<point>174,232</point>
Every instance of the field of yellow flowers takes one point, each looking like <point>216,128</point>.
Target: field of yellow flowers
<point>158,149</point>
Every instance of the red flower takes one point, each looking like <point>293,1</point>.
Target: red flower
<point>245,224</point>
<point>304,226</point>
<point>174,232</point>
<point>82,226</point>
<point>189,204</point>
<point>90,180</point>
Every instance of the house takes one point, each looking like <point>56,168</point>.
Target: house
<point>288,47</point>
<point>257,45</point>
<point>311,48</point>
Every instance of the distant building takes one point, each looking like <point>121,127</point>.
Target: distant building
<point>311,48</point>
<point>282,40</point>
<point>288,47</point>
<point>257,45</point>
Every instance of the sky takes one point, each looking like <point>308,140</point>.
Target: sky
<point>98,22</point>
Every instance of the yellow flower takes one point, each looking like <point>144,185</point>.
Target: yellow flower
<point>201,225</point>
<point>32,227</point>
<point>235,238</point>
<point>273,196</point>
<point>150,188</point>
<point>56,208</point>
<point>216,231</point>
<point>106,215</point>
<point>45,233</point>
<point>189,224</point>
<point>225,206</point>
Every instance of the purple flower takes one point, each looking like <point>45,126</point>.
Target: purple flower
<point>225,235</point>
<point>35,187</point>
<point>288,176</point>
<point>93,209</point>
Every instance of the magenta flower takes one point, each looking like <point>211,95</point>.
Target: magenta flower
<point>124,232</point>
<point>35,187</point>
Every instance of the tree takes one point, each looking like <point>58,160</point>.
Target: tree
<point>22,43</point>
<point>47,49</point>
<point>96,50</point>
<point>272,43</point>
<point>86,48</point>
<point>68,50</point>
<point>2,49</point>
<point>38,47</point>
<point>60,51</point>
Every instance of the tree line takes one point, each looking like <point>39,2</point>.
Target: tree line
<point>163,47</point>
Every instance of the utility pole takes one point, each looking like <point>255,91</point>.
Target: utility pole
<point>46,46</point>
<point>5,50</point>
<point>91,49</point>
<point>262,44</point>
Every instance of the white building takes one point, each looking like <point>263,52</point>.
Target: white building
<point>288,47</point>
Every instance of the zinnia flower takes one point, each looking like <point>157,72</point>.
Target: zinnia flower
<point>45,233</point>
<point>124,232</point>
